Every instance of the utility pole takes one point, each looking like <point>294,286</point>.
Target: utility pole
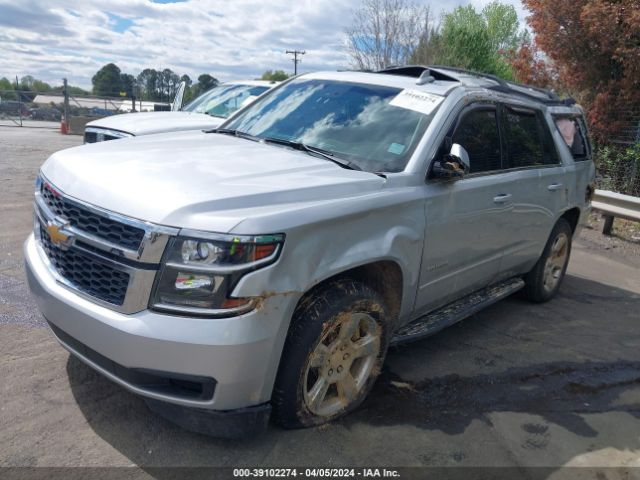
<point>65,92</point>
<point>19,100</point>
<point>295,54</point>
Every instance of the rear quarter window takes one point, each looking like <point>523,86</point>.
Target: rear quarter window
<point>574,134</point>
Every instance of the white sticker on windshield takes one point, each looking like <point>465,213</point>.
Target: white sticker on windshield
<point>417,101</point>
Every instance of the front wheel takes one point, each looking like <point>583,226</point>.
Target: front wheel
<point>333,354</point>
<point>543,281</point>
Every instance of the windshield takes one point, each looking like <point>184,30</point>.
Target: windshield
<point>372,126</point>
<point>222,101</point>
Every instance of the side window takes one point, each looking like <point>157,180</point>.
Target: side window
<point>478,133</point>
<point>573,132</point>
<point>523,132</point>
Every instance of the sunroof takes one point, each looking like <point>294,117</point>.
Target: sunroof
<point>415,71</point>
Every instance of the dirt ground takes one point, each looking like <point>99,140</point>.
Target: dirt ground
<point>517,385</point>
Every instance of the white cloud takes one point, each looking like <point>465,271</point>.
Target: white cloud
<point>228,39</point>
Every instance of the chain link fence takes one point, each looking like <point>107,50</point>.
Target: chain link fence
<point>17,109</point>
<point>619,168</point>
<point>47,110</point>
<point>618,161</point>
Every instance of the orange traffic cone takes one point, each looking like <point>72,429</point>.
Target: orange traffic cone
<point>64,128</point>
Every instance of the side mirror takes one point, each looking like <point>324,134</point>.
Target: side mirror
<point>454,165</point>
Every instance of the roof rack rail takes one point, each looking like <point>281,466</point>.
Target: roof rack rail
<point>439,72</point>
<point>488,76</point>
<point>504,86</point>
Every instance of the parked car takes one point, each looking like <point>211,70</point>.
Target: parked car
<point>100,112</point>
<point>45,113</point>
<point>207,111</point>
<point>265,267</point>
<point>13,108</point>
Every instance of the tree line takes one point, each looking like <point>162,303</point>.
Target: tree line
<point>150,84</point>
<point>158,85</point>
<point>109,81</point>
<point>589,49</point>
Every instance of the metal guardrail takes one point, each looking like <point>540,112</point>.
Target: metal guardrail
<point>613,205</point>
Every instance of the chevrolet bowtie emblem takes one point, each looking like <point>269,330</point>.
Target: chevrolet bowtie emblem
<point>58,237</point>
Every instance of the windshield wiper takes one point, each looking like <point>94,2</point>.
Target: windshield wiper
<point>234,132</point>
<point>314,150</point>
<point>214,115</point>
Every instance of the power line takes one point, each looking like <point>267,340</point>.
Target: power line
<point>295,59</point>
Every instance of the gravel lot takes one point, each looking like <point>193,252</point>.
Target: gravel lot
<point>516,385</point>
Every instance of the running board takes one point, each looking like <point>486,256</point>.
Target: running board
<point>454,312</point>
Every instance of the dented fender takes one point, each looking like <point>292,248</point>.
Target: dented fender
<point>385,226</point>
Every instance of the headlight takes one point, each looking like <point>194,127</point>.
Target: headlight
<point>199,272</point>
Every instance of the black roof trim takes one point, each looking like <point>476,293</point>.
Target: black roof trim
<point>439,72</point>
<point>416,71</point>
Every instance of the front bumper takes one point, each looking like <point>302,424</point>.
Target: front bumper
<point>240,354</point>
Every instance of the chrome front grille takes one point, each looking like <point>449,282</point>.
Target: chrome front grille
<point>126,236</point>
<point>108,258</point>
<point>86,272</point>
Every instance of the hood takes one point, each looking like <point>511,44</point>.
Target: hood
<point>157,122</point>
<point>200,181</point>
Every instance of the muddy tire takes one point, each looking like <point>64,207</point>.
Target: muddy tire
<point>332,355</point>
<point>543,281</point>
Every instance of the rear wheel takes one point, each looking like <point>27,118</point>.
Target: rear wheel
<point>543,281</point>
<point>333,354</point>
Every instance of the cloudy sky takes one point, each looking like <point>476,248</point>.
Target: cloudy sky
<point>231,39</point>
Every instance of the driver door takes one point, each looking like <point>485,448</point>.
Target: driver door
<point>466,218</point>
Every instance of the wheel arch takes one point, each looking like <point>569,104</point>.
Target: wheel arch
<point>383,276</point>
<point>573,217</point>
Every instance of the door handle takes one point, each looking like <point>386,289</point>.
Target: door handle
<point>554,186</point>
<point>502,198</point>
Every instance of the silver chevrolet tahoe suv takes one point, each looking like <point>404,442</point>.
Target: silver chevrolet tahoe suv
<point>265,267</point>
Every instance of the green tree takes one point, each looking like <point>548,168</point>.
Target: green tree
<point>147,84</point>
<point>503,27</point>
<point>71,89</point>
<point>188,91</point>
<point>26,83</point>
<point>40,86</point>
<point>6,89</point>
<point>169,82</point>
<point>481,41</point>
<point>477,40</point>
<point>429,50</point>
<point>205,82</point>
<point>128,84</point>
<point>187,80</point>
<point>274,76</point>
<point>107,81</point>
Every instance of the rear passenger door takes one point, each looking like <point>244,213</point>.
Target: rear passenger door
<point>538,186</point>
